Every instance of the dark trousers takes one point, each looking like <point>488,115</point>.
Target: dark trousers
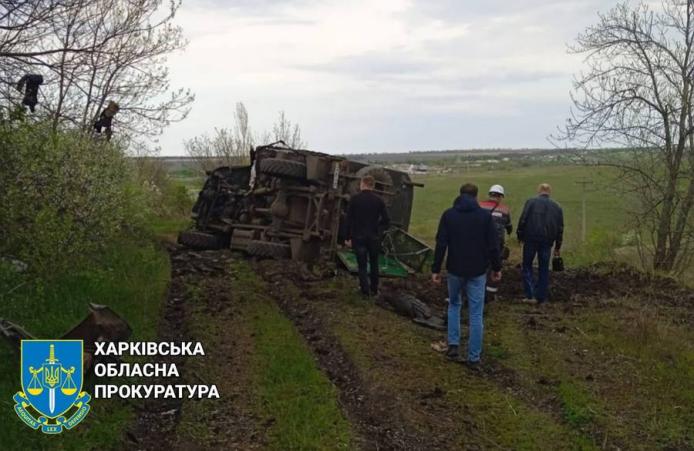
<point>367,250</point>
<point>536,290</point>
<point>493,286</point>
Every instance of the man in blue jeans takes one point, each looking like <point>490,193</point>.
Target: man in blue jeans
<point>541,226</point>
<point>468,233</point>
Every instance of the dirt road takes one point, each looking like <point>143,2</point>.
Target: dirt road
<point>607,365</point>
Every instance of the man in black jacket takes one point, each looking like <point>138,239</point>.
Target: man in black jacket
<point>541,226</point>
<point>366,217</point>
<point>468,232</point>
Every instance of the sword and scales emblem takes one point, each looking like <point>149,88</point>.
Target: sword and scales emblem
<point>53,372</point>
<point>52,376</point>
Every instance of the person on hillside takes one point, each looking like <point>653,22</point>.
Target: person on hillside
<point>105,120</point>
<point>30,83</point>
<point>367,216</point>
<point>467,233</point>
<point>501,215</point>
<point>541,226</point>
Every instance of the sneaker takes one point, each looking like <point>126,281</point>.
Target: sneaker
<point>529,301</point>
<point>453,353</point>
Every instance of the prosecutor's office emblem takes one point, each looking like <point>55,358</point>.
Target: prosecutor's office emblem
<point>52,396</point>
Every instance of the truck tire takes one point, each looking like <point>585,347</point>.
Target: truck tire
<point>280,167</point>
<point>200,240</point>
<point>268,249</point>
<point>379,173</point>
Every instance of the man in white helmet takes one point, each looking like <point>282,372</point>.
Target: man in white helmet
<point>501,215</point>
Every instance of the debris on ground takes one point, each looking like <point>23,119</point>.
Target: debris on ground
<point>439,346</point>
<point>15,264</point>
<point>13,334</point>
<point>405,304</point>
<point>101,325</point>
<point>375,415</point>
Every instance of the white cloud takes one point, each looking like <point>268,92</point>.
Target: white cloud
<point>352,72</point>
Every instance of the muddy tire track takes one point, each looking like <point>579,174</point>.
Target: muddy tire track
<point>157,418</point>
<point>218,320</point>
<point>373,413</point>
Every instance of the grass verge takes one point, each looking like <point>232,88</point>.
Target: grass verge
<point>299,398</point>
<point>292,392</point>
<point>131,278</point>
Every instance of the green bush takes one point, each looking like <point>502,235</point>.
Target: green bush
<point>166,197</point>
<point>76,210</point>
<point>64,196</point>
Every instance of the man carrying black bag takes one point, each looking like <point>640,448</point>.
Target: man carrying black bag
<point>366,217</point>
<point>540,227</point>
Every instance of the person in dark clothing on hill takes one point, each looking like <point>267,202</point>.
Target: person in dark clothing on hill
<point>105,120</point>
<point>30,85</point>
<point>468,233</point>
<point>366,217</point>
<point>541,226</point>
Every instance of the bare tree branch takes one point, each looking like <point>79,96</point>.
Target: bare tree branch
<point>637,94</point>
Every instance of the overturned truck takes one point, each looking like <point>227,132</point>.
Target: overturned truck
<point>290,203</point>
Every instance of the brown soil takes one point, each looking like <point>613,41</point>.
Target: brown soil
<point>374,414</point>
<point>228,424</point>
<point>381,416</point>
<point>378,412</point>
<point>572,285</point>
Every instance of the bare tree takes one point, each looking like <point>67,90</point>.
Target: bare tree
<point>23,27</point>
<point>95,51</point>
<point>636,94</point>
<point>226,146</point>
<point>232,146</point>
<point>284,130</point>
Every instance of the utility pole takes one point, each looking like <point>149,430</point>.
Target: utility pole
<point>584,184</point>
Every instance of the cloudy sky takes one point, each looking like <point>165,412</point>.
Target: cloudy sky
<point>385,75</point>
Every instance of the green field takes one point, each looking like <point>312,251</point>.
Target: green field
<point>605,209</point>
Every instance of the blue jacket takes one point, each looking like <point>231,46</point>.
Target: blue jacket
<point>467,231</point>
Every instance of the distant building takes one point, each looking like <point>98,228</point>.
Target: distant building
<point>418,169</point>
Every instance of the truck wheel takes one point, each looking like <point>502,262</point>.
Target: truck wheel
<point>268,249</point>
<point>379,173</point>
<point>201,240</point>
<point>280,167</point>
